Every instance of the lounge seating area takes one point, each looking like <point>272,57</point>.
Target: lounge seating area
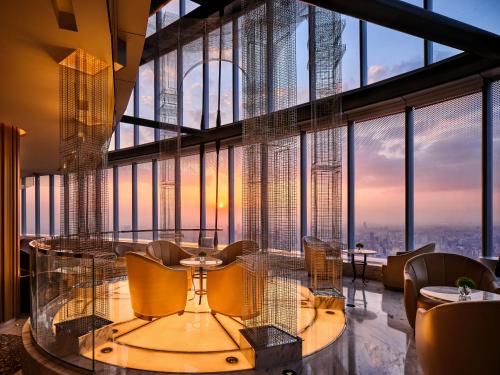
<point>250,187</point>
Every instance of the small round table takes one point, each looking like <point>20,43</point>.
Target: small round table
<point>364,252</point>
<point>196,262</point>
<point>450,294</point>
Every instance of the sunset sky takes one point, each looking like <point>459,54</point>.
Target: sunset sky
<point>447,135</point>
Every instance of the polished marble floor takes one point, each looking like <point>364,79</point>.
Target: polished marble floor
<point>377,340</point>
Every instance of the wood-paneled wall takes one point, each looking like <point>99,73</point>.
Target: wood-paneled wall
<point>9,222</point>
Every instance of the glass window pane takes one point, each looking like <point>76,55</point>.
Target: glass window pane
<point>379,147</point>
<point>44,206</point>
<point>350,61</point>
<point>447,175</point>
<point>226,97</point>
<point>126,135</point>
<point>169,13</point>
<point>151,28</point>
<point>223,205</point>
<point>168,96</point>
<point>129,111</point>
<point>109,187</point>
<point>496,168</point>
<point>146,91</point>
<point>192,85</point>
<point>57,205</point>
<point>125,200</point>
<point>391,53</point>
<point>190,5</point>
<point>145,199</point>
<point>343,135</point>
<point>30,205</point>
<point>238,193</point>
<point>190,197</point>
<point>484,14</point>
<point>480,13</point>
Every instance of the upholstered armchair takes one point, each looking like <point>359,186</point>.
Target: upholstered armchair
<point>155,290</point>
<point>166,252</point>
<point>441,269</point>
<point>459,338</point>
<point>226,294</point>
<point>393,272</point>
<point>230,253</point>
<point>323,262</point>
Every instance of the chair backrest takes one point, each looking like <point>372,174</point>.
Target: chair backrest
<point>444,269</point>
<point>459,338</point>
<point>121,250</point>
<point>318,250</point>
<point>227,294</point>
<point>169,253</point>
<point>155,290</point>
<point>231,252</point>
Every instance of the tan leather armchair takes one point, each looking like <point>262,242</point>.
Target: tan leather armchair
<point>393,272</point>
<point>230,253</point>
<point>226,293</point>
<point>441,269</point>
<point>312,244</point>
<point>459,338</point>
<point>155,290</point>
<point>168,253</point>
<point>323,263</point>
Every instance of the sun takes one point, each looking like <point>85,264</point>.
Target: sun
<point>221,205</point>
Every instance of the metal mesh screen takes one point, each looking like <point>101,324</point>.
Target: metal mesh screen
<point>169,162</point>
<point>495,105</point>
<point>447,175</point>
<point>326,138</point>
<point>270,160</point>
<point>85,127</point>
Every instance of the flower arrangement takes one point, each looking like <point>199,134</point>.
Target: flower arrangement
<point>360,245</point>
<point>465,281</point>
<point>202,254</point>
<point>464,284</point>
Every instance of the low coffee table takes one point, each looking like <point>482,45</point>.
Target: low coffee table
<point>196,262</point>
<point>364,252</point>
<point>445,294</point>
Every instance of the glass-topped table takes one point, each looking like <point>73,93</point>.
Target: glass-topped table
<point>201,264</point>
<point>364,252</point>
<point>450,294</point>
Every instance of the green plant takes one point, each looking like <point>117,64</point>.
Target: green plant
<point>360,245</point>
<point>202,254</point>
<point>465,281</point>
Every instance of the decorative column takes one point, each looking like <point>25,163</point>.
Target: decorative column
<point>9,222</point>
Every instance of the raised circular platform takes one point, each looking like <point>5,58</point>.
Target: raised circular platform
<point>194,342</point>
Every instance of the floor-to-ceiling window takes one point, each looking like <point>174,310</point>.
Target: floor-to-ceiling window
<point>496,167</point>
<point>144,200</point>
<point>190,196</point>
<point>447,145</point>
<point>226,83</point>
<point>379,187</point>
<point>30,205</point>
<point>146,100</point>
<point>210,191</point>
<point>192,84</point>
<point>125,200</point>
<point>44,205</point>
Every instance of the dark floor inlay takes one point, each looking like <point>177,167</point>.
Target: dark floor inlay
<point>106,350</point>
<point>231,360</point>
<point>10,354</point>
<point>350,305</point>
